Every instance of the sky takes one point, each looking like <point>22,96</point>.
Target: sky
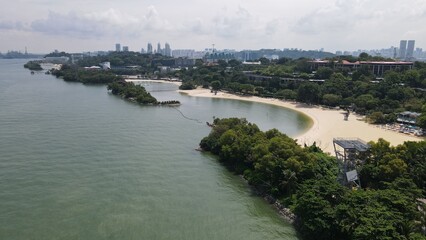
<point>90,25</point>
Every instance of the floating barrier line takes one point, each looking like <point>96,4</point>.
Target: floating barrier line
<point>183,115</point>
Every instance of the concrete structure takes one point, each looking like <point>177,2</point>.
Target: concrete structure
<point>159,50</point>
<point>184,53</point>
<point>118,47</point>
<point>402,49</point>
<point>149,48</point>
<point>125,48</point>
<point>167,50</point>
<point>378,68</point>
<point>410,49</point>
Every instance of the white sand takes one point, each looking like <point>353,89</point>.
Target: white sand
<point>328,124</point>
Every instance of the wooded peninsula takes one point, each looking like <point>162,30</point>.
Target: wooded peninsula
<point>307,180</point>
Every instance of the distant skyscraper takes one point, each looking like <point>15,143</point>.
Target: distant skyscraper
<point>167,50</point>
<point>410,49</point>
<point>118,47</point>
<point>159,48</point>
<point>125,48</point>
<point>402,49</point>
<point>149,48</point>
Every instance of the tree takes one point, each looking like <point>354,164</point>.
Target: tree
<point>366,101</point>
<point>216,85</point>
<point>377,117</point>
<point>412,78</point>
<point>259,90</point>
<point>331,99</point>
<point>264,61</point>
<point>309,93</point>
<point>187,86</point>
<point>372,214</point>
<point>316,207</point>
<point>364,56</point>
<point>324,72</point>
<point>303,65</point>
<point>392,77</point>
<point>286,94</point>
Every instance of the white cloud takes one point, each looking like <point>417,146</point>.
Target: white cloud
<point>111,22</point>
<point>332,24</point>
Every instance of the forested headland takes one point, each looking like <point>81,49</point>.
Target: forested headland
<point>72,73</point>
<point>306,180</point>
<point>88,71</point>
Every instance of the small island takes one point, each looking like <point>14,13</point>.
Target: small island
<point>136,93</point>
<point>33,66</point>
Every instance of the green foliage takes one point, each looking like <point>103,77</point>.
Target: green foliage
<point>132,92</point>
<point>187,86</point>
<point>216,85</point>
<point>309,93</point>
<point>286,94</point>
<point>400,90</point>
<point>377,118</point>
<point>33,65</point>
<point>331,99</point>
<point>324,72</point>
<point>72,73</point>
<point>393,178</point>
<point>316,208</point>
<point>269,159</point>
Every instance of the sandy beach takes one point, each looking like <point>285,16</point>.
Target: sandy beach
<point>327,123</point>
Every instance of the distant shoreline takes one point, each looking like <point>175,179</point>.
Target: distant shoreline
<point>152,80</point>
<point>327,123</point>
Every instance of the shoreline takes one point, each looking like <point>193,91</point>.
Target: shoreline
<point>327,123</point>
<point>152,80</point>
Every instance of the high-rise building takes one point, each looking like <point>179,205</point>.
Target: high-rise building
<point>184,53</point>
<point>167,50</point>
<point>149,48</point>
<point>125,48</point>
<point>118,47</point>
<point>402,49</point>
<point>410,49</point>
<point>159,48</point>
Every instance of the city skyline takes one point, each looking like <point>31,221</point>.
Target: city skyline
<point>44,25</point>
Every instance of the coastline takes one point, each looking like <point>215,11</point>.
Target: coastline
<point>152,80</point>
<point>327,123</point>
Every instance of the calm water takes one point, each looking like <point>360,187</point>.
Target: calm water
<point>79,163</point>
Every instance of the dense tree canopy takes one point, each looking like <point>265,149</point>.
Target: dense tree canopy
<point>399,90</point>
<point>132,92</point>
<point>305,178</point>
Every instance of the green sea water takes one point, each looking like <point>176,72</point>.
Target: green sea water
<point>79,163</point>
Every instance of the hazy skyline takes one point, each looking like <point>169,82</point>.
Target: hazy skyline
<point>75,26</point>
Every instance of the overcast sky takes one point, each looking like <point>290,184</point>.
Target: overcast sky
<point>88,25</point>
